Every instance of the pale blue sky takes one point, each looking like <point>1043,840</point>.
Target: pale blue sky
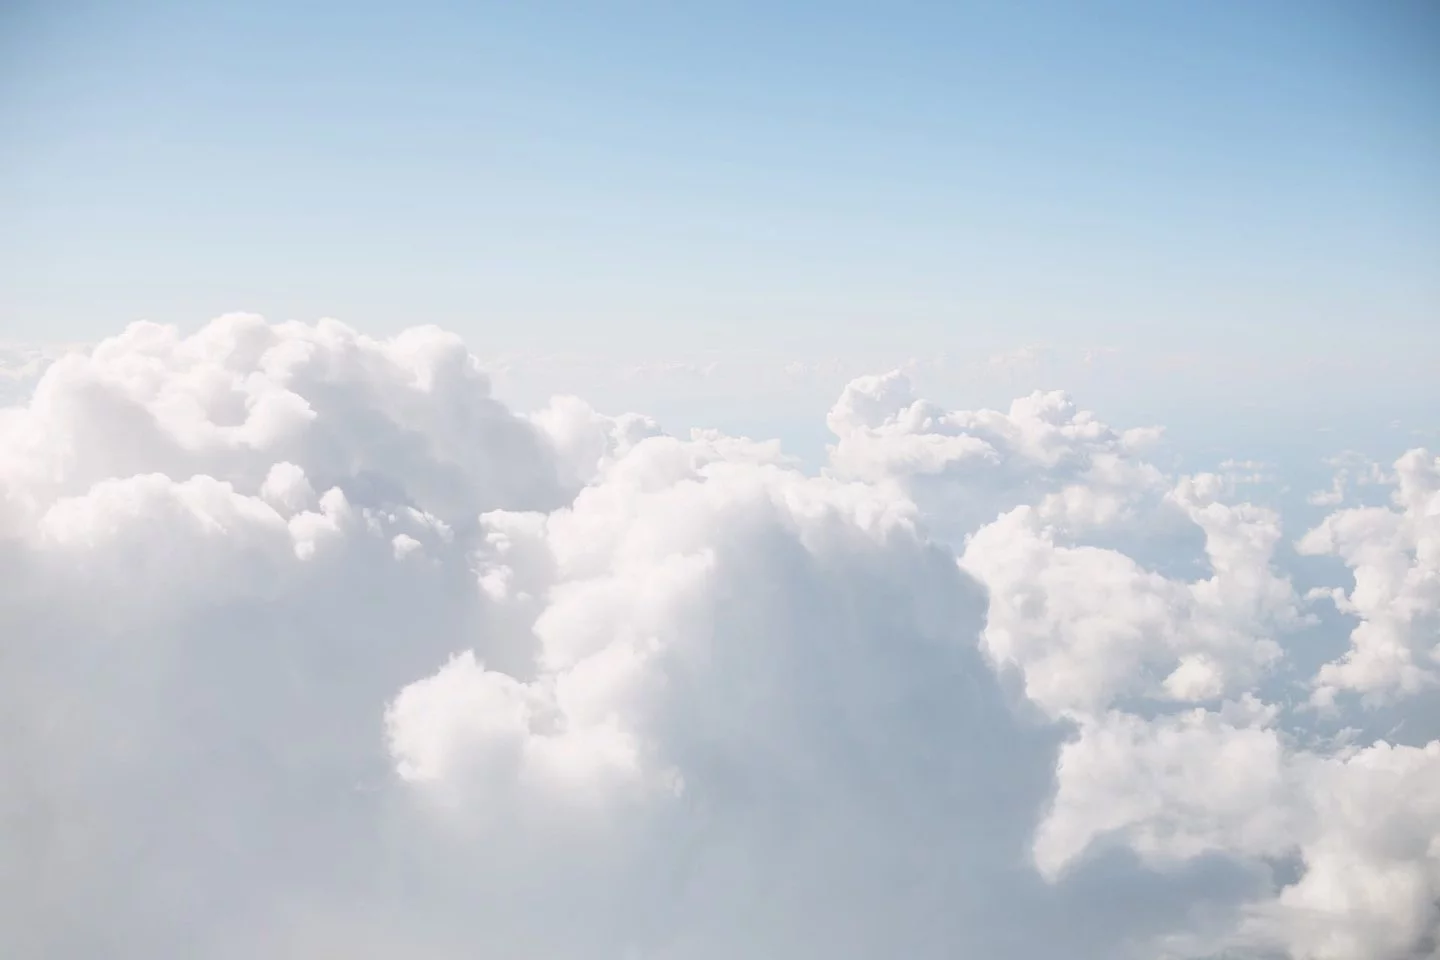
<point>798,179</point>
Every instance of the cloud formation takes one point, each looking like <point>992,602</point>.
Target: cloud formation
<point>313,647</point>
<point>1394,555</point>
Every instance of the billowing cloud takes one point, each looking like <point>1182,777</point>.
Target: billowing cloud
<point>1394,556</point>
<point>1356,828</point>
<point>313,648</point>
<point>1087,626</point>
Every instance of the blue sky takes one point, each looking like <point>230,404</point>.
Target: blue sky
<point>1209,181</point>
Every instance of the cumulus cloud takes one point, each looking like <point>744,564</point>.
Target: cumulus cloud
<point>1358,827</point>
<point>1087,625</point>
<point>1393,554</point>
<point>313,647</point>
<point>1122,649</point>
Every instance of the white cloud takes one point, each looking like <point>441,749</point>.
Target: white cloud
<point>1394,555</point>
<point>966,467</point>
<point>1352,470</point>
<point>315,648</point>
<point>1083,623</point>
<point>1359,826</point>
<point>1087,626</point>
<point>1102,639</point>
<point>1172,788</point>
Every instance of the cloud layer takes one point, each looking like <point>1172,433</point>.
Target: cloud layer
<point>314,648</point>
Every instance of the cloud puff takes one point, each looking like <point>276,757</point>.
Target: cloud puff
<point>313,647</point>
<point>1087,625</point>
<point>965,467</point>
<point>1357,828</point>
<point>1394,556</point>
<point>1115,645</point>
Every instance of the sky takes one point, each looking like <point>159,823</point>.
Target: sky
<point>685,482</point>
<point>780,178</point>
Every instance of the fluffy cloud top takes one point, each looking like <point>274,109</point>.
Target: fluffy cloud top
<point>314,648</point>
<point>1394,555</point>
